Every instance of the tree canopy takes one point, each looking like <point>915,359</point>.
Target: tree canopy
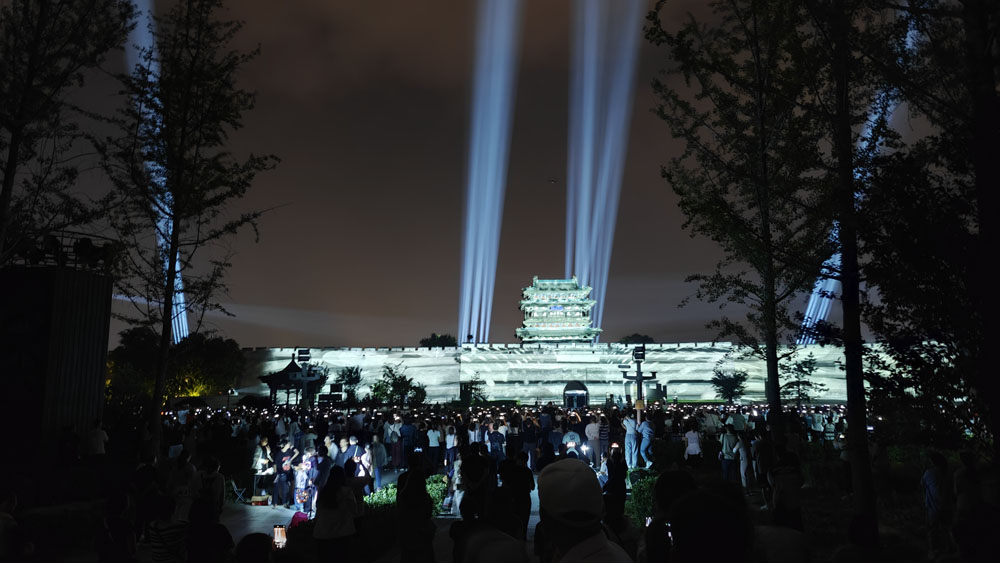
<point>436,340</point>
<point>198,365</point>
<point>174,180</point>
<point>729,386</point>
<point>636,338</point>
<point>395,388</point>
<point>47,48</point>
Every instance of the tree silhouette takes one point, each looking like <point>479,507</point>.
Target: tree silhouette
<point>729,386</point>
<point>636,338</point>
<point>436,340</point>
<point>174,181</point>
<point>350,378</point>
<point>46,49</point>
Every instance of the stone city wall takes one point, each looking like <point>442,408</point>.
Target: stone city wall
<point>540,372</point>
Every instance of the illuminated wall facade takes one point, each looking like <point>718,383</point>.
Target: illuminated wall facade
<point>540,372</point>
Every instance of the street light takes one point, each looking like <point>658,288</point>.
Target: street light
<point>638,355</point>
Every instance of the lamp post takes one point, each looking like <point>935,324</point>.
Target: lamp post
<point>639,355</point>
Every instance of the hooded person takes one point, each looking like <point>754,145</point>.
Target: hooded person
<point>571,506</point>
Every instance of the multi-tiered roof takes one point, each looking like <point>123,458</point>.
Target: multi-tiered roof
<point>556,311</point>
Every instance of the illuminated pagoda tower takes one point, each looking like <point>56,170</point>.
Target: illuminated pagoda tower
<point>556,311</point>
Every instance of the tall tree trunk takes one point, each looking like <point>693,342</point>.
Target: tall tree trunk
<point>772,387</point>
<point>865,509</point>
<point>982,84</point>
<point>166,339</point>
<point>7,191</point>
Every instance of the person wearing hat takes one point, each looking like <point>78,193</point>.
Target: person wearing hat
<point>571,507</point>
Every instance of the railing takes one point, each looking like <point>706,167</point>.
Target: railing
<point>67,249</point>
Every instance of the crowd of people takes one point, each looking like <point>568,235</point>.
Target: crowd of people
<point>323,463</point>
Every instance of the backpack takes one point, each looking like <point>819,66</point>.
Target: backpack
<point>393,437</point>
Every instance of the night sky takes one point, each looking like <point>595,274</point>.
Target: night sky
<point>367,106</point>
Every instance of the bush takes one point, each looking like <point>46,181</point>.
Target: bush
<point>640,503</point>
<point>437,488</point>
<point>383,498</point>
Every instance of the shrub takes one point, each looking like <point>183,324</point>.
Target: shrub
<point>437,488</point>
<point>383,498</point>
<point>640,503</point>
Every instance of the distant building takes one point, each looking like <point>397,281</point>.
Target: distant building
<point>557,311</point>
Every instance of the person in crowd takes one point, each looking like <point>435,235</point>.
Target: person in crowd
<point>254,548</point>
<point>336,509</point>
<point>366,470</point>
<point>572,441</point>
<point>145,489</point>
<point>692,445</point>
<point>323,464</point>
<point>182,481</point>
<point>730,449</point>
<point>654,543</point>
<point>116,538</point>
<point>571,506</point>
<point>618,526</point>
<point>451,449</point>
<point>497,440</point>
<point>939,503</point>
<point>737,419</point>
<point>477,537</point>
<point>518,482</point>
<point>358,484</point>
<point>208,541</point>
<point>555,434</point>
<point>616,471</point>
<point>593,432</point>
<point>455,483</point>
<point>694,524</point>
<point>354,449</point>
<point>393,440</point>
<point>602,470</point>
<point>211,487</point>
<point>167,536</point>
<point>341,457</point>
<point>546,457</point>
<point>97,440</point>
<point>746,462</point>
<point>604,434</point>
<point>816,425</point>
<point>284,483</point>
<point>647,431</point>
<point>408,435</point>
<point>416,510</point>
<point>515,441</point>
<point>379,459</point>
<point>762,451</point>
<point>631,439</point>
<point>433,447</point>
<point>309,439</point>
<point>529,440</point>
<point>304,486</point>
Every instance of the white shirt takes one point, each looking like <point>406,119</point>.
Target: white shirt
<point>98,437</point>
<point>693,443</point>
<point>449,440</point>
<point>593,431</point>
<point>433,438</point>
